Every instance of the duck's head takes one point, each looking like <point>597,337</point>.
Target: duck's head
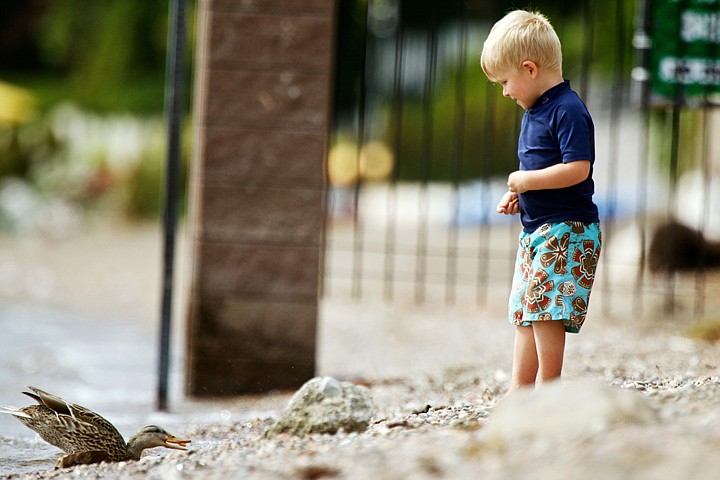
<point>153,436</point>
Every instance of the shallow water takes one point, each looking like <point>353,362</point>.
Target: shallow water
<point>25,455</point>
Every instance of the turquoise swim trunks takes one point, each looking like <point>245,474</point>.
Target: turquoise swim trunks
<point>554,274</point>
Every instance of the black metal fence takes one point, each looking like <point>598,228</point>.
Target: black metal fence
<point>423,143</point>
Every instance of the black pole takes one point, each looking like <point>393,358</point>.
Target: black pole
<point>175,69</point>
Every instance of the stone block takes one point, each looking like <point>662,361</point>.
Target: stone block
<point>273,6</point>
<point>261,271</point>
<point>266,99</point>
<point>262,215</point>
<point>242,345</point>
<point>221,375</point>
<point>235,155</point>
<point>280,41</point>
<point>256,330</point>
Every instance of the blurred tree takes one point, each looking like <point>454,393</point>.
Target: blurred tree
<point>105,47</point>
<point>107,55</point>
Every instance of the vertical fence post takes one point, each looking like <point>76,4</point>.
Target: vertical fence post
<point>175,69</point>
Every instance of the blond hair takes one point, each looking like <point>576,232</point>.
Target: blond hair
<point>519,36</point>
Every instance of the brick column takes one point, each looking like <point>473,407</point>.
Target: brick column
<point>262,97</point>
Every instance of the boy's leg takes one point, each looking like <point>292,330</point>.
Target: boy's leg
<point>525,359</point>
<point>550,347</point>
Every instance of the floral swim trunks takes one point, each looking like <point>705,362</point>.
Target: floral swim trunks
<point>554,274</point>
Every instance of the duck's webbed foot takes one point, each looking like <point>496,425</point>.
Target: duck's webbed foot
<point>82,458</point>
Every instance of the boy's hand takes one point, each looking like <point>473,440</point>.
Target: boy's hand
<point>516,182</point>
<point>509,204</point>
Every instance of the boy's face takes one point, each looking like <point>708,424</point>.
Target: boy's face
<point>521,86</point>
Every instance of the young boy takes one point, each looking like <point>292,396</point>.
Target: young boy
<point>552,191</point>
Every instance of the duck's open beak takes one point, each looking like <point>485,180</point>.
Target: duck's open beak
<point>176,443</point>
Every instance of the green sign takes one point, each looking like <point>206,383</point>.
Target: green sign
<point>684,60</point>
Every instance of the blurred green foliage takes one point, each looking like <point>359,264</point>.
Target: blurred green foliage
<point>95,162</point>
<point>468,131</point>
<point>103,56</point>
<point>689,143</point>
<point>108,61</point>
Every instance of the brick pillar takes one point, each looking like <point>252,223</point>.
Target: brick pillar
<point>262,97</point>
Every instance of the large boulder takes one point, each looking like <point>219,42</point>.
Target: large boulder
<point>325,405</point>
<point>566,409</point>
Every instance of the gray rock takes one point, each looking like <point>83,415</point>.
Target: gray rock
<point>567,408</point>
<point>325,405</point>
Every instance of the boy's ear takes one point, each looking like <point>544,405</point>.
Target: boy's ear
<point>531,68</point>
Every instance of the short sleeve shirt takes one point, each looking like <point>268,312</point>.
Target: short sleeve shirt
<point>557,129</point>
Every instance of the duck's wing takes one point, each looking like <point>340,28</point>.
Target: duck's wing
<point>53,402</point>
<point>63,431</point>
<point>77,428</point>
<point>77,412</point>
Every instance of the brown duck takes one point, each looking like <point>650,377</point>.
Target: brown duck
<point>84,435</point>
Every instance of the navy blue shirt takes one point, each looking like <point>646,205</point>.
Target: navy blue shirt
<point>557,129</point>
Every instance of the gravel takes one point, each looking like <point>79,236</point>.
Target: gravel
<point>436,376</point>
<point>431,425</point>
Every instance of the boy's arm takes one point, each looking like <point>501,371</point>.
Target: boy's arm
<point>556,176</point>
